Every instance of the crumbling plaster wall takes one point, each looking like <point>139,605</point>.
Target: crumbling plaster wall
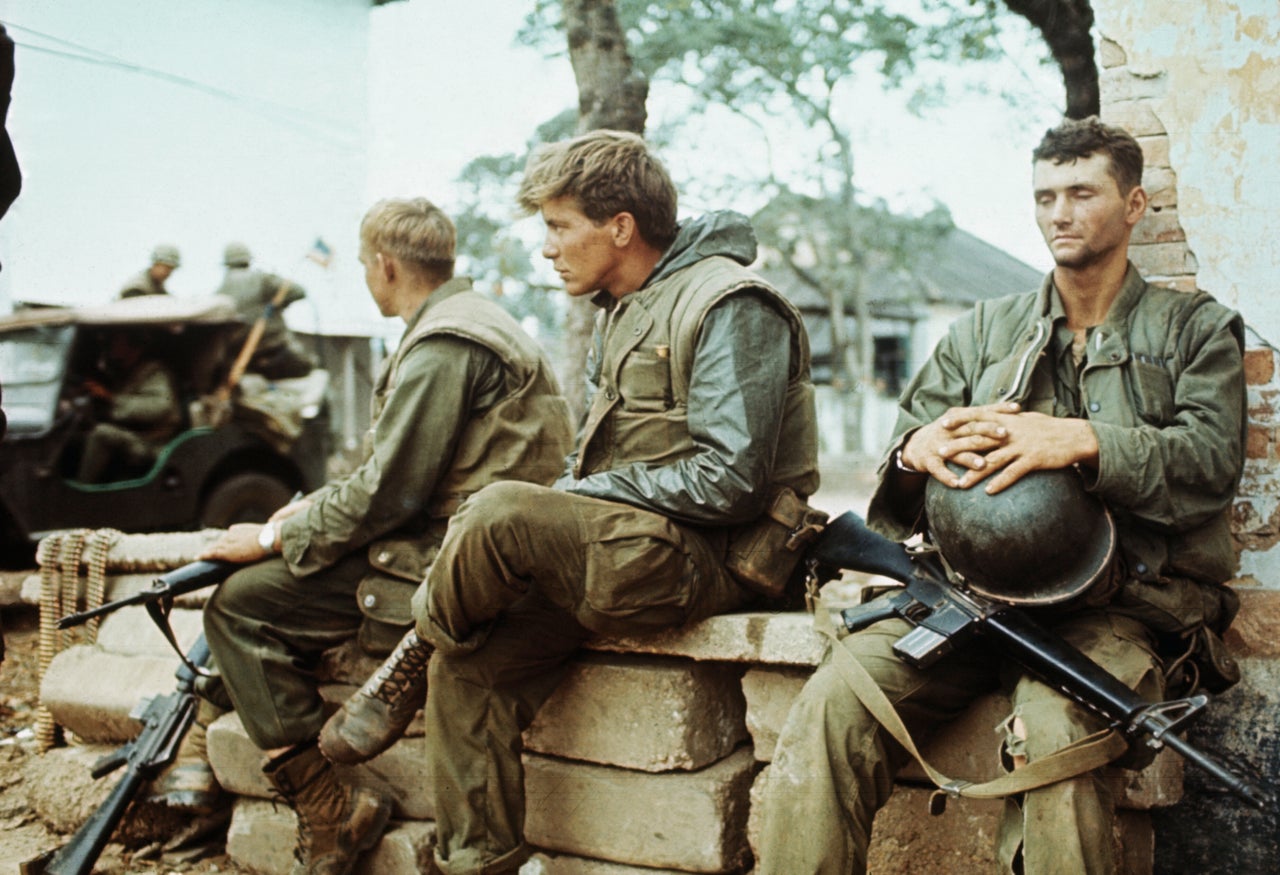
<point>1209,73</point>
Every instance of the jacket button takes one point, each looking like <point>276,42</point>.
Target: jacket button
<point>1095,406</point>
<point>370,601</point>
<point>1141,568</point>
<point>1115,356</point>
<point>384,557</point>
<point>608,393</point>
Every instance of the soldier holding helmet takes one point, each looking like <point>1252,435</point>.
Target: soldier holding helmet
<point>1135,394</point>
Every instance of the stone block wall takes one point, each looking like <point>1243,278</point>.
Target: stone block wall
<point>647,759</point>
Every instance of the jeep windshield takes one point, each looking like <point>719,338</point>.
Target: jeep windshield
<point>32,362</point>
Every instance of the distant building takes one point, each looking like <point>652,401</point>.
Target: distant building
<point>911,308</point>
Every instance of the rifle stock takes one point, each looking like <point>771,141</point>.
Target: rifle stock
<point>165,721</point>
<point>945,617</point>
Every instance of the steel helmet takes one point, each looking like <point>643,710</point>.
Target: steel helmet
<point>166,253</point>
<point>1040,541</point>
<point>236,255</point>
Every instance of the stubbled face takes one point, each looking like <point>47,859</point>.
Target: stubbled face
<point>1080,210</point>
<point>583,253</point>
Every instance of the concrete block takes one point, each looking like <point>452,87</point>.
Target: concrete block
<point>769,693</point>
<point>1162,227</point>
<point>262,835</point>
<point>773,638</point>
<point>646,713</point>
<point>693,821</point>
<point>1135,116</point>
<point>399,772</point>
<point>562,864</point>
<point>91,692</point>
<point>131,632</point>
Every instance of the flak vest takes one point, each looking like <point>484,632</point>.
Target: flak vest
<point>524,436</point>
<point>640,409</point>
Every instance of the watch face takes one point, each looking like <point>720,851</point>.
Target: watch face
<point>267,538</point>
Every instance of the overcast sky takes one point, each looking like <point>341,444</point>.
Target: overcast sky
<point>475,92</point>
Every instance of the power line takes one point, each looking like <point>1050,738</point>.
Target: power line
<point>303,121</point>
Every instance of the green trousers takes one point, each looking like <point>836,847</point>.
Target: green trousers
<point>266,630</point>
<point>107,443</point>
<point>526,574</point>
<point>834,765</point>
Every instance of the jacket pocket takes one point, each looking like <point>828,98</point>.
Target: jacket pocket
<point>645,380</point>
<point>1153,393</point>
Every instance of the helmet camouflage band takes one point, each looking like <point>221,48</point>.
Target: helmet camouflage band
<point>1041,541</point>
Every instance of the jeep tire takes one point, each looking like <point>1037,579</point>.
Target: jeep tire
<point>244,498</point>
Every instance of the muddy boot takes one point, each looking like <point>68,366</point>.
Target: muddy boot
<point>336,823</point>
<point>188,783</point>
<point>378,713</point>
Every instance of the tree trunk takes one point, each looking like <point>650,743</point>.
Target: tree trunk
<point>610,95</point>
<point>1065,25</point>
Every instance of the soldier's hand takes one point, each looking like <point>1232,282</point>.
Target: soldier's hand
<point>1035,442</point>
<point>963,435</point>
<point>237,544</point>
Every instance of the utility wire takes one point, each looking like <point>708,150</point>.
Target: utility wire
<point>308,123</point>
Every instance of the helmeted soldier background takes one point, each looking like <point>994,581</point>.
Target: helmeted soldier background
<point>278,354</point>
<point>165,259</point>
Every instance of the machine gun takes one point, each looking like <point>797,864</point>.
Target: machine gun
<point>946,616</point>
<point>165,721</point>
<point>158,600</point>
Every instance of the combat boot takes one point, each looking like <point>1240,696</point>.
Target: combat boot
<point>188,783</point>
<point>336,823</point>
<point>378,713</point>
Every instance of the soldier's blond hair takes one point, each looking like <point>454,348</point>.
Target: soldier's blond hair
<point>607,172</point>
<point>415,231</point>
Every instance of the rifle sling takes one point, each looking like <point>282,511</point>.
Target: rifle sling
<point>1077,758</point>
<point>159,611</point>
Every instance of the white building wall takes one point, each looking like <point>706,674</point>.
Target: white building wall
<point>252,127</point>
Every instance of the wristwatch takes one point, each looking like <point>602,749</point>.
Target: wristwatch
<point>267,537</point>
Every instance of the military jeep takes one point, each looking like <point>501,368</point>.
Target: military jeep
<point>269,441</point>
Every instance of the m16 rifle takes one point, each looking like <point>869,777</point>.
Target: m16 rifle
<point>946,616</point>
<point>165,721</point>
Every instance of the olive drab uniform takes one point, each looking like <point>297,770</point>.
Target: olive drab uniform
<point>352,560</point>
<point>631,538</point>
<point>277,355</point>
<point>1161,383</point>
<point>141,285</point>
<point>141,417</point>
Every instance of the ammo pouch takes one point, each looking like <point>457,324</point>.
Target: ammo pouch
<point>398,567</point>
<point>763,555</point>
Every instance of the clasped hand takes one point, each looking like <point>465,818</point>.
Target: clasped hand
<point>998,441</point>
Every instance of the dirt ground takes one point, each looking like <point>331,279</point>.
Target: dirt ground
<point>25,836</point>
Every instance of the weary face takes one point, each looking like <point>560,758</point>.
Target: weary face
<point>584,254</point>
<point>1080,210</point>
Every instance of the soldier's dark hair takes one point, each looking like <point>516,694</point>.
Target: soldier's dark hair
<point>1079,138</point>
<point>607,172</point>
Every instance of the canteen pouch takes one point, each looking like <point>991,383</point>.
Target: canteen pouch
<point>763,555</point>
